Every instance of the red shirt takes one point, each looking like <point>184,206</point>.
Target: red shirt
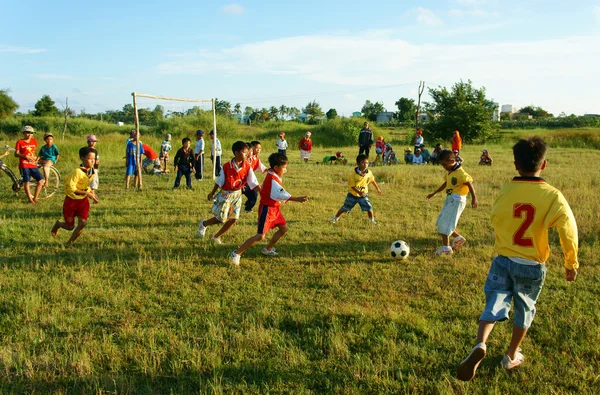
<point>272,192</point>
<point>149,152</point>
<point>27,148</point>
<point>235,178</point>
<point>305,144</point>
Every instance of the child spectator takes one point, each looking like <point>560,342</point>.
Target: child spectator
<point>365,140</point>
<point>25,151</point>
<point>199,154</point>
<point>358,190</point>
<point>256,165</point>
<point>390,155</point>
<point>457,156</point>
<point>408,156</point>
<point>457,184</point>
<point>337,159</point>
<point>91,143</point>
<point>48,156</point>
<point>228,202</point>
<point>216,151</point>
<point>282,145</point>
<point>305,147</point>
<point>78,191</point>
<point>435,154</point>
<point>485,159</point>
<point>269,212</point>
<point>151,159</point>
<point>379,150</point>
<point>184,163</point>
<point>417,157</point>
<point>425,153</point>
<point>131,158</point>
<point>523,212</point>
<point>165,147</point>
<point>456,141</point>
<point>418,139</point>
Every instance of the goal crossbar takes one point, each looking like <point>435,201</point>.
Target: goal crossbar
<point>172,98</point>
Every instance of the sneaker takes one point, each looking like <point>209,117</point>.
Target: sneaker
<point>235,258</point>
<point>444,250</point>
<point>271,252</point>
<point>217,240</point>
<point>247,211</point>
<point>466,369</point>
<point>457,242</point>
<point>201,229</point>
<point>508,363</point>
<point>374,222</point>
<point>334,220</point>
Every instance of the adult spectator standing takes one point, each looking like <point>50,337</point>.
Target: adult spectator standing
<point>456,141</point>
<point>365,140</point>
<point>305,147</point>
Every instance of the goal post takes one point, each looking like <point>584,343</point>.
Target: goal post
<point>135,95</point>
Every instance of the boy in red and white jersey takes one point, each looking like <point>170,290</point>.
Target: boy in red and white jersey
<point>256,164</point>
<point>269,212</point>
<point>228,202</point>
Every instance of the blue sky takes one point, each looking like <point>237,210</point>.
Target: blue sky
<point>263,53</point>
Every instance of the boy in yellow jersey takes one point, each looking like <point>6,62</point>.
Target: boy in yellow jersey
<point>77,191</point>
<point>358,190</point>
<point>522,213</point>
<point>457,185</point>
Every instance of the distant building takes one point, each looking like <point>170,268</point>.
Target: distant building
<point>120,123</point>
<point>592,115</point>
<point>508,109</point>
<point>303,117</point>
<point>423,117</point>
<point>357,114</point>
<point>386,116</point>
<point>496,115</point>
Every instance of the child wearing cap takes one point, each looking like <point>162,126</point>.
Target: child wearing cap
<point>272,195</point>
<point>91,143</point>
<point>228,202</point>
<point>78,191</point>
<point>165,147</point>
<point>485,159</point>
<point>379,150</point>
<point>419,139</point>
<point>131,156</point>
<point>216,151</point>
<point>305,147</point>
<point>48,155</point>
<point>199,154</point>
<point>417,158</point>
<point>25,151</point>
<point>281,144</point>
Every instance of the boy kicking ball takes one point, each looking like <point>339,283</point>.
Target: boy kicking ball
<point>524,210</point>
<point>269,213</point>
<point>77,191</point>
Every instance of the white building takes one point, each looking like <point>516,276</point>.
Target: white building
<point>508,108</point>
<point>386,116</point>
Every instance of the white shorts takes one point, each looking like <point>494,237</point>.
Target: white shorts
<point>304,154</point>
<point>94,181</point>
<point>448,218</point>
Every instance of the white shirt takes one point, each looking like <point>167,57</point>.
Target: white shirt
<point>419,140</point>
<point>277,192</point>
<point>217,143</point>
<point>282,144</point>
<point>199,146</point>
<point>417,160</point>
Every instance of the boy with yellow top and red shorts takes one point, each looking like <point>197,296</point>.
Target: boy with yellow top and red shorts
<point>458,183</point>
<point>77,189</point>
<point>522,213</point>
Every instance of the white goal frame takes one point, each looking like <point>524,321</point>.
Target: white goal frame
<point>137,127</point>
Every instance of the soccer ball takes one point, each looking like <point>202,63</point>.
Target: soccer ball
<point>399,249</point>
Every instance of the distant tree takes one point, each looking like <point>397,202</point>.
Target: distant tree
<point>273,112</point>
<point>237,109</point>
<point>313,109</point>
<point>158,114</point>
<point>222,107</point>
<point>283,111</point>
<point>263,114</point>
<point>248,111</point>
<point>7,105</point>
<point>45,107</point>
<point>463,108</point>
<point>127,114</point>
<point>370,110</point>
<point>406,109</point>
<point>293,112</point>
<point>331,114</point>
<point>536,112</point>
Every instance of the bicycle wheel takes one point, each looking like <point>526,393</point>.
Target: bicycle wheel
<point>8,183</point>
<point>52,183</point>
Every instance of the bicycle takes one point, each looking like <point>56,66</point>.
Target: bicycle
<point>11,184</point>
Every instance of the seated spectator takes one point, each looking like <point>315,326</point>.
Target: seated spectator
<point>389,156</point>
<point>408,156</point>
<point>485,159</point>
<point>418,158</point>
<point>434,155</point>
<point>425,153</point>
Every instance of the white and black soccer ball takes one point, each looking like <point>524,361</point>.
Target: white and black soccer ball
<point>399,249</point>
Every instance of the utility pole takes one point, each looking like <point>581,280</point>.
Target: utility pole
<point>420,92</point>
<point>67,110</point>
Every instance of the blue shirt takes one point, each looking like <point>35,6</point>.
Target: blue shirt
<point>49,153</point>
<point>131,152</point>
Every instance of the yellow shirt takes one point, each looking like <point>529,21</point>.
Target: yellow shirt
<point>456,180</point>
<point>360,181</point>
<point>78,179</point>
<point>521,216</point>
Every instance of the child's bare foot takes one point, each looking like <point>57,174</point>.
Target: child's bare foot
<point>54,230</point>
<point>35,201</point>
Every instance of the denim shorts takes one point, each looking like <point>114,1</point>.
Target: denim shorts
<point>351,200</point>
<point>508,280</point>
<point>29,173</point>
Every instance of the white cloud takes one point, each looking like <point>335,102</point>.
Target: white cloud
<point>50,76</point>
<point>597,13</point>
<point>20,50</point>
<point>427,17</point>
<point>474,13</point>
<point>233,9</point>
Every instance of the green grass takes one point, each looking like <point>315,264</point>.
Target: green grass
<point>141,305</point>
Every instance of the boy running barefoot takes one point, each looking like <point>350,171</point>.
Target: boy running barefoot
<point>457,185</point>
<point>522,213</point>
<point>358,190</point>
<point>77,191</point>
<point>269,213</point>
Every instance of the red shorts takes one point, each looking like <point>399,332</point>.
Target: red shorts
<point>269,218</point>
<point>76,208</point>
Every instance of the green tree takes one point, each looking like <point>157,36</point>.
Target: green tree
<point>370,110</point>
<point>536,112</point>
<point>273,112</point>
<point>45,107</point>
<point>248,111</point>
<point>293,112</point>
<point>313,109</point>
<point>7,105</point>
<point>406,109</point>
<point>237,109</point>
<point>331,114</point>
<point>283,111</point>
<point>222,107</point>
<point>464,108</point>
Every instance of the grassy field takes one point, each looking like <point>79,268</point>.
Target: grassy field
<point>142,305</point>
